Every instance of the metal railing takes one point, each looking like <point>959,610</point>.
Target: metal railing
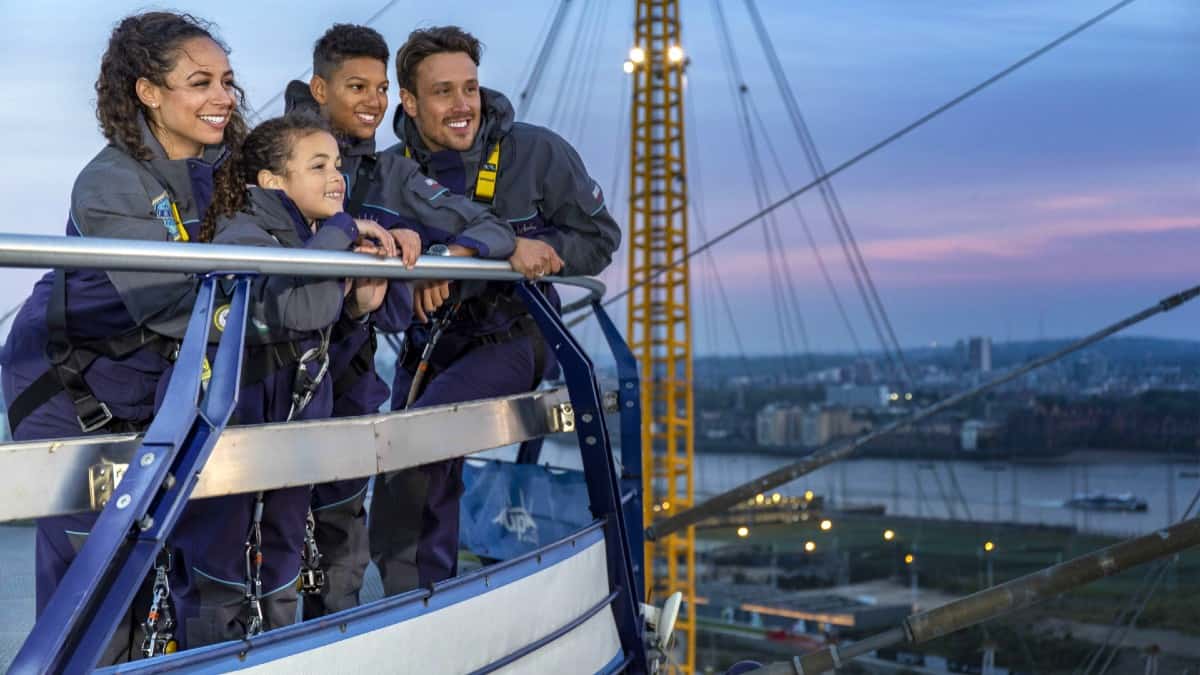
<point>34,251</point>
<point>101,582</point>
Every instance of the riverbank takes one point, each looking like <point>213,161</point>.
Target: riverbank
<point>1050,457</point>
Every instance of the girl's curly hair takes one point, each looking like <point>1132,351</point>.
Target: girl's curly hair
<point>270,145</point>
<point>148,45</point>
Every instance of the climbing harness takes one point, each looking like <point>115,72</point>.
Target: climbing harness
<point>159,625</point>
<point>312,577</point>
<point>304,385</point>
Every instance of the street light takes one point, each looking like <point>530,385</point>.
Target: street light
<point>743,531</point>
<point>760,498</point>
<point>776,498</point>
<point>808,495</point>
<point>810,546</point>
<point>989,546</point>
<point>908,558</point>
<point>888,535</point>
<point>826,525</point>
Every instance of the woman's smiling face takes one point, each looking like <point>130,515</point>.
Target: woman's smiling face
<point>193,108</point>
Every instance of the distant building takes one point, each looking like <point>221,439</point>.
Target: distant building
<point>771,426</point>
<point>872,397</point>
<point>979,354</point>
<point>779,425</point>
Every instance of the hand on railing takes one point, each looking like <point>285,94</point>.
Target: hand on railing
<point>535,259</point>
<point>370,232</point>
<point>409,243</point>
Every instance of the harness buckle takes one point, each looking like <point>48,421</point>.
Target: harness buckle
<point>305,385</point>
<point>96,419</point>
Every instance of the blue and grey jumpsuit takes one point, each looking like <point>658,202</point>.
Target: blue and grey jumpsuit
<point>491,348</point>
<point>115,196</point>
<point>289,318</point>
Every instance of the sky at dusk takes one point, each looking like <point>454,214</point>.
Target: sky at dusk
<point>1058,200</point>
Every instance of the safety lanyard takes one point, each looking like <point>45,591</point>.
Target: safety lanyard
<point>485,179</point>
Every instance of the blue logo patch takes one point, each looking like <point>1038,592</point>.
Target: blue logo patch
<point>165,215</point>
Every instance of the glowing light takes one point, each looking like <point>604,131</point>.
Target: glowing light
<point>760,498</point>
<point>888,535</point>
<point>675,53</point>
<point>908,396</point>
<point>637,55</point>
<point>743,531</point>
<point>826,525</point>
<point>989,546</point>
<point>627,67</point>
<point>808,495</point>
<point>908,559</point>
<point>810,546</point>
<point>776,498</point>
<point>894,397</point>
<point>666,506</point>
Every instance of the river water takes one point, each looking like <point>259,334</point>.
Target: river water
<point>1030,493</point>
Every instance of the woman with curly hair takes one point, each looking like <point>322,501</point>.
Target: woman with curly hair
<point>88,350</point>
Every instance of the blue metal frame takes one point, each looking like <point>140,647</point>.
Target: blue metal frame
<point>629,400</point>
<point>96,591</point>
<point>604,489</point>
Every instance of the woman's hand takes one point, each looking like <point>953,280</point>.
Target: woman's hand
<point>409,243</point>
<point>371,231</point>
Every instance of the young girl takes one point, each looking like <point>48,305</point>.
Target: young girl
<point>169,108</point>
<point>221,592</point>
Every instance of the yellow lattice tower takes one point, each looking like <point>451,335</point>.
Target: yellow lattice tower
<point>660,327</point>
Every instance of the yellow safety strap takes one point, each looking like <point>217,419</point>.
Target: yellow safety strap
<point>183,233</point>
<point>485,182</point>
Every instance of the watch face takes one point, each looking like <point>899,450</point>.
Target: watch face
<point>438,249</point>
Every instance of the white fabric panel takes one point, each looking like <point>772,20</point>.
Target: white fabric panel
<point>479,631</point>
<point>586,649</point>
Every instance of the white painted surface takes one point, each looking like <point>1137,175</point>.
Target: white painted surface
<point>480,631</point>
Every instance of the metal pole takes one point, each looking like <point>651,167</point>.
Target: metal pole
<point>30,251</point>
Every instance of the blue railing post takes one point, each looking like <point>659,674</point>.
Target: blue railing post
<point>98,587</point>
<point>629,402</point>
<point>604,489</point>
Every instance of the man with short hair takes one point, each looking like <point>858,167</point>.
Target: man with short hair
<point>349,89</point>
<point>465,137</point>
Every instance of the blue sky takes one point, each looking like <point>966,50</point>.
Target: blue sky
<point>1062,198</point>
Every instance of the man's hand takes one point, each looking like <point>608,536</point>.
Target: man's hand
<point>428,295</point>
<point>534,258</point>
<point>409,243</point>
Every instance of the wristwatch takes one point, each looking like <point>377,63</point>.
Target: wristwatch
<point>440,250</point>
